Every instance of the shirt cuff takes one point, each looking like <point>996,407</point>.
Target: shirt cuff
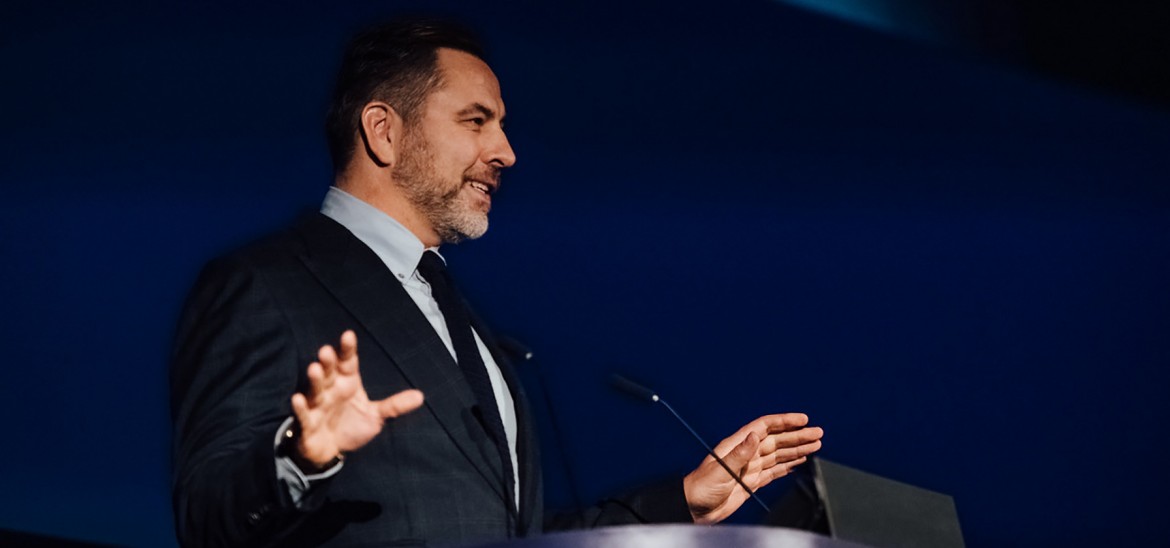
<point>287,472</point>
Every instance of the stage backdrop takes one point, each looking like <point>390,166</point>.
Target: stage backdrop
<point>958,270</point>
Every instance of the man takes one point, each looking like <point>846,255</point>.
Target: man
<point>280,440</point>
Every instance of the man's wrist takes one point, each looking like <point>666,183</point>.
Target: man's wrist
<point>290,446</point>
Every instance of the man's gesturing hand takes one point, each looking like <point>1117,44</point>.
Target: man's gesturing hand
<point>336,416</point>
<point>763,450</point>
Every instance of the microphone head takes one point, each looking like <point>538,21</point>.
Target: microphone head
<point>632,388</point>
<point>515,349</point>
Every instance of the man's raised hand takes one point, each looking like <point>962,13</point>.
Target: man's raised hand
<point>335,415</point>
<point>763,450</point>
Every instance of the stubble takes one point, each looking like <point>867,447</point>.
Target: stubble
<point>443,203</point>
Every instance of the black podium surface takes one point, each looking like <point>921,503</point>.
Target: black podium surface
<point>679,536</point>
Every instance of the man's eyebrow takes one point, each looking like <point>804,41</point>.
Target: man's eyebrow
<point>479,108</point>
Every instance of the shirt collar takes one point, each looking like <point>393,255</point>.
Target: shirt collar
<point>399,249</point>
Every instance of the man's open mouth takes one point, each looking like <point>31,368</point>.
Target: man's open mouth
<point>483,187</point>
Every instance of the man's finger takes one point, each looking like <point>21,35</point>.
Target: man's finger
<point>328,358</point>
<point>300,406</point>
<point>779,471</point>
<point>763,426</point>
<point>348,363</point>
<point>792,454</point>
<point>782,422</point>
<point>317,382</point>
<point>783,440</point>
<point>400,404</point>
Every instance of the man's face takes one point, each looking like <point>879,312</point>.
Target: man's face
<point>452,154</point>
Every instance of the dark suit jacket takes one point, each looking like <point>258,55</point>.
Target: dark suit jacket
<point>252,325</point>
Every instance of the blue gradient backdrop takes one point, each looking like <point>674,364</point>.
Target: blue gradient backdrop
<point>959,270</point>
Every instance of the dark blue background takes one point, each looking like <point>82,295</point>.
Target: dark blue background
<point>957,269</point>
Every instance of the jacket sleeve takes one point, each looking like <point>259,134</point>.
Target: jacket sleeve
<point>233,370</point>
<point>662,502</point>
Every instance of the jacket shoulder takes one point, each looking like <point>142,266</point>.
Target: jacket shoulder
<point>306,237</point>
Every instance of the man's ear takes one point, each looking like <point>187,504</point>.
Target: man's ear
<point>381,131</point>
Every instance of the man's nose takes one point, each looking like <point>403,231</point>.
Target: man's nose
<point>500,154</point>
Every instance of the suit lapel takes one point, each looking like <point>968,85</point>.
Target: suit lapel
<point>359,280</point>
<point>527,446</point>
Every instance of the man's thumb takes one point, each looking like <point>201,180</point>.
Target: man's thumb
<point>400,404</point>
<point>743,453</point>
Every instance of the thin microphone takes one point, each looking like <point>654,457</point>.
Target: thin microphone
<point>634,389</point>
<point>514,348</point>
<point>519,352</point>
<point>645,394</point>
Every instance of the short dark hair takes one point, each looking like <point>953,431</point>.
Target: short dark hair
<point>395,62</point>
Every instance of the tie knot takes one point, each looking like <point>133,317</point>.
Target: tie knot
<point>431,265</point>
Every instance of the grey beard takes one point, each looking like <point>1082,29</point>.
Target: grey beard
<point>454,226</point>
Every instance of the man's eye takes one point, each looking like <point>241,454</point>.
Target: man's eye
<point>479,121</point>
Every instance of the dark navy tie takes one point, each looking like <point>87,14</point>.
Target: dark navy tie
<point>434,270</point>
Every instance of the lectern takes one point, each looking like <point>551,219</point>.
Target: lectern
<point>680,536</point>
